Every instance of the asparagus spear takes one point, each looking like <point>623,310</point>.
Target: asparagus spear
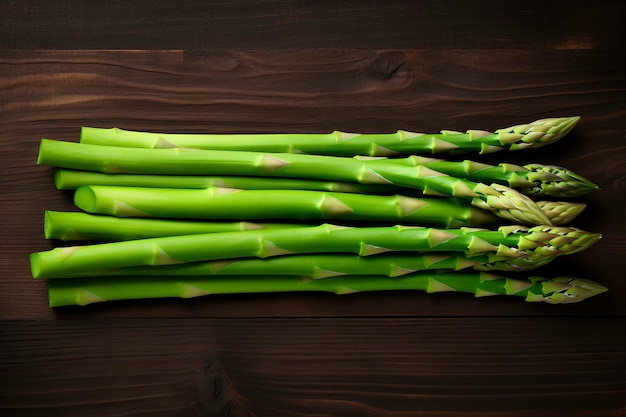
<point>511,241</point>
<point>324,265</point>
<point>503,201</point>
<point>64,292</point>
<point>72,226</point>
<point>532,179</point>
<point>82,226</point>
<point>530,135</point>
<point>68,179</point>
<point>232,204</point>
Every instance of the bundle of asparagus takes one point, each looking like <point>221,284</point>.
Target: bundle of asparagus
<point>186,215</point>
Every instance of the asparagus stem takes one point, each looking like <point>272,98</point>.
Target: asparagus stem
<point>232,204</point>
<point>511,241</point>
<point>67,179</point>
<point>324,265</point>
<point>531,135</point>
<point>532,179</point>
<point>70,226</point>
<point>83,291</point>
<point>74,226</point>
<point>503,201</point>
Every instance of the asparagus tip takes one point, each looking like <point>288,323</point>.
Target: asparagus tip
<point>538,133</point>
<point>513,206</point>
<point>556,181</point>
<point>557,240</point>
<point>561,212</point>
<point>565,290</point>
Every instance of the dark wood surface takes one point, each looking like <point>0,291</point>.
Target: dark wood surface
<point>292,66</point>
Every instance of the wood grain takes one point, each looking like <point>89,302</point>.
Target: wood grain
<point>304,367</point>
<point>297,24</point>
<point>53,93</point>
<point>294,66</point>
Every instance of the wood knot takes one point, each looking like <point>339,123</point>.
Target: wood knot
<point>215,394</point>
<point>387,65</point>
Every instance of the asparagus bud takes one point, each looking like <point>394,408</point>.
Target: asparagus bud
<point>538,133</point>
<point>561,212</point>
<point>557,181</point>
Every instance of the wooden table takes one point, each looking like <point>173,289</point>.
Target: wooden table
<point>293,66</point>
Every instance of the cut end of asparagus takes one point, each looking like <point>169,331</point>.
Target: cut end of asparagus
<point>556,181</point>
<point>565,290</point>
<point>47,230</point>
<point>41,160</point>
<point>85,198</point>
<point>59,179</point>
<point>35,265</point>
<point>51,230</point>
<point>536,134</point>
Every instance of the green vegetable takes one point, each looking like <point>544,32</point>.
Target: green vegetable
<point>503,201</point>
<point>68,179</point>
<point>323,265</point>
<point>224,179</point>
<point>564,184</point>
<point>232,204</point>
<point>83,291</point>
<point>70,226</point>
<point>509,241</point>
<point>561,212</point>
<point>532,179</point>
<point>530,135</point>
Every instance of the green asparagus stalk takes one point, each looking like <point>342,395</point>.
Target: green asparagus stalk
<point>324,265</point>
<point>539,180</point>
<point>232,204</point>
<point>532,179</point>
<point>561,290</point>
<point>69,226</point>
<point>510,241</point>
<point>503,201</point>
<point>67,179</point>
<point>79,226</point>
<point>530,135</point>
